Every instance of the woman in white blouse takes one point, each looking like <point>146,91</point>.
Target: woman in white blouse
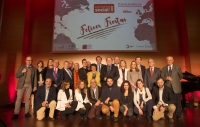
<point>66,105</point>
<point>142,100</point>
<point>122,72</point>
<point>84,105</point>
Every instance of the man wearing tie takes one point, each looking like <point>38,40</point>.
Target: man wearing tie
<point>109,71</point>
<point>27,82</point>
<point>151,74</point>
<point>172,75</point>
<point>68,75</point>
<point>140,67</point>
<point>99,64</point>
<point>55,74</point>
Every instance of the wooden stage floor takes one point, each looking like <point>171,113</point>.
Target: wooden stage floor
<point>190,118</point>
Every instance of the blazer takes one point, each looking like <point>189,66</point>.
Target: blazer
<point>101,66</point>
<point>143,68</point>
<point>80,100</point>
<point>83,74</point>
<point>62,99</point>
<point>67,77</point>
<point>22,76</point>
<point>177,75</point>
<point>114,73</point>
<point>90,98</point>
<point>145,91</point>
<point>130,100</point>
<point>120,79</point>
<point>40,96</point>
<point>149,80</point>
<point>43,75</point>
<point>89,77</point>
<point>59,79</point>
<point>167,95</point>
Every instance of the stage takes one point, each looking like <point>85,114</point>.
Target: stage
<point>190,118</point>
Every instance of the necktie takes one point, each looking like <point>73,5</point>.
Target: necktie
<point>55,73</point>
<point>99,69</point>
<point>70,74</point>
<point>109,69</point>
<point>170,71</point>
<point>151,71</point>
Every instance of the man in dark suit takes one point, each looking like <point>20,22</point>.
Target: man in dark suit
<point>27,82</point>
<point>45,98</point>
<point>99,63</point>
<point>82,72</point>
<point>71,65</point>
<point>55,74</point>
<point>172,75</point>
<point>140,67</point>
<point>109,71</point>
<point>68,75</point>
<point>163,99</point>
<point>151,74</point>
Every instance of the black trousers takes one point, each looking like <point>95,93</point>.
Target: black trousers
<point>177,98</point>
<point>147,108</point>
<point>69,110</point>
<point>83,112</point>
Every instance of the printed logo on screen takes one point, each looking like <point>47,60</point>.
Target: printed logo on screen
<point>103,8</point>
<point>129,46</point>
<point>127,11</point>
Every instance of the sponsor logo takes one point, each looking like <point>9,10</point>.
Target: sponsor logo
<point>103,8</point>
<point>127,11</point>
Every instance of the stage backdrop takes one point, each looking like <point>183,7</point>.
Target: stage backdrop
<point>104,25</point>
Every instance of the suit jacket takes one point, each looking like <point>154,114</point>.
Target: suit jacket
<point>102,65</point>
<point>80,100</point>
<point>114,73</point>
<point>130,100</point>
<point>62,99</point>
<point>149,80</point>
<point>43,75</point>
<point>120,79</point>
<point>143,68</point>
<point>40,96</point>
<point>89,77</point>
<point>167,95</point>
<point>59,79</point>
<point>83,74</point>
<point>91,98</point>
<point>22,76</point>
<point>176,76</point>
<point>67,77</point>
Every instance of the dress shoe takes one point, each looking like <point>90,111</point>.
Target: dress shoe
<point>15,116</point>
<point>98,117</point>
<point>107,117</point>
<point>115,119</point>
<point>149,118</point>
<point>49,118</point>
<point>171,120</point>
<point>179,117</point>
<point>137,117</point>
<point>27,115</point>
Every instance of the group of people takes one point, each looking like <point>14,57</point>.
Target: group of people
<point>95,88</point>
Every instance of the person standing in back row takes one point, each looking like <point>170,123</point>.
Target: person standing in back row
<point>172,74</point>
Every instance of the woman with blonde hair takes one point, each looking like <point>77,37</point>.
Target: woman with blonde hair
<point>84,105</point>
<point>133,74</point>
<point>122,72</point>
<point>66,104</point>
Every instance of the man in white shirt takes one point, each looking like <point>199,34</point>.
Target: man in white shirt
<point>99,63</point>
<point>163,100</point>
